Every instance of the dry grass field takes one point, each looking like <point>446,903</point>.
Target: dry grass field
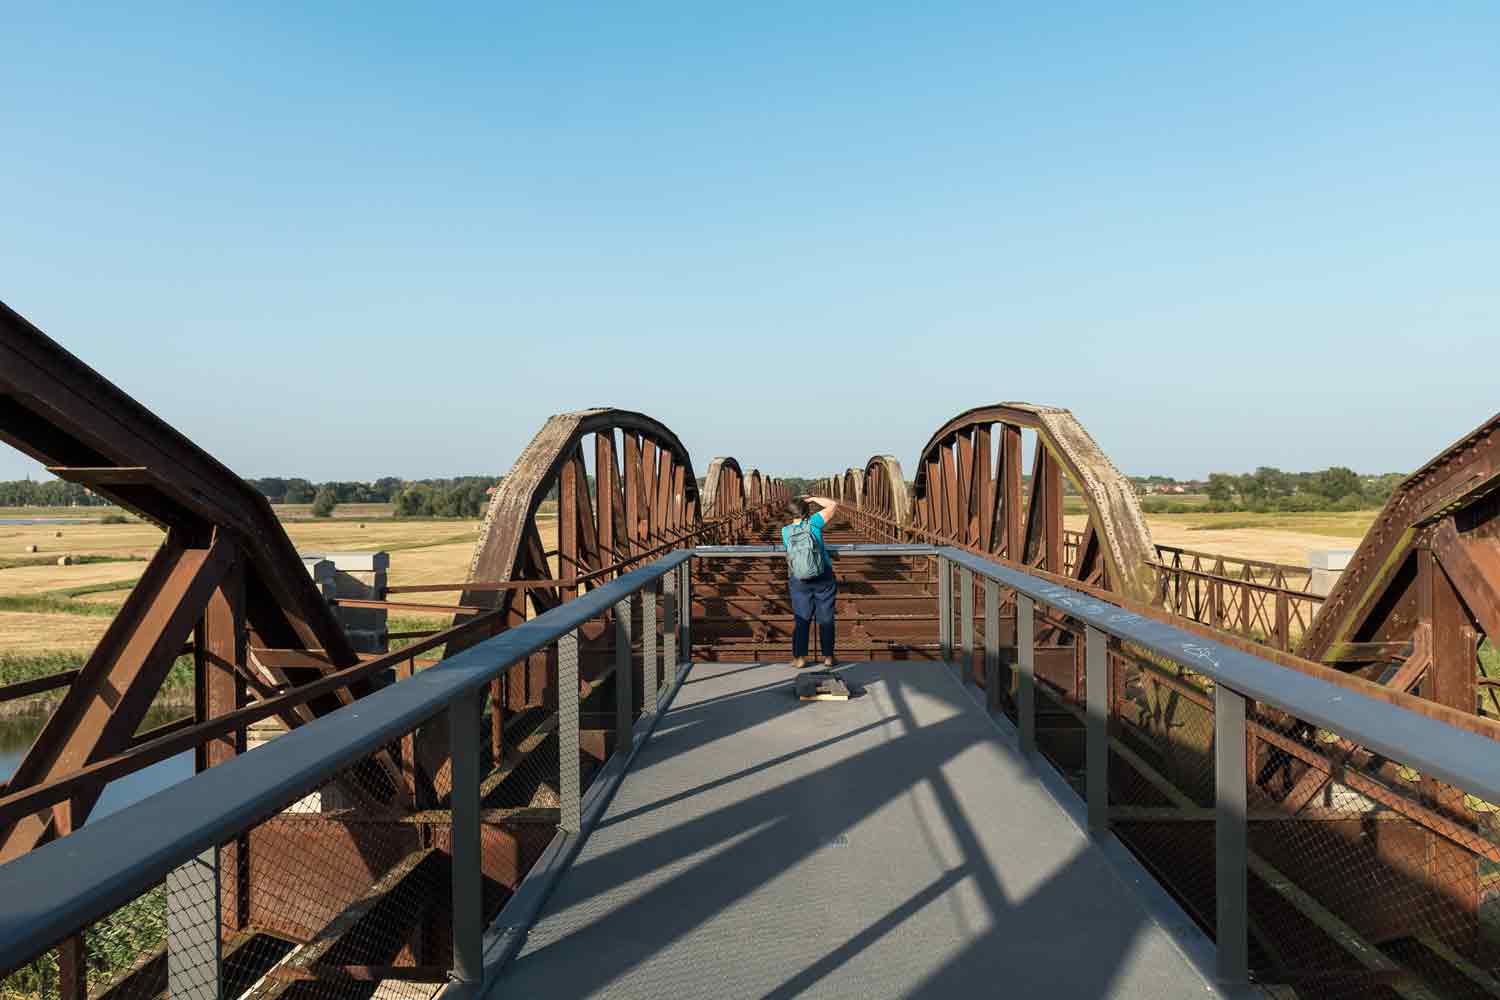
<point>46,609</point>
<point>51,609</point>
<point>1282,538</point>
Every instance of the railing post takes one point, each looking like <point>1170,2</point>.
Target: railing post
<point>624,689</point>
<point>992,643</point>
<point>1026,682</point>
<point>468,883</point>
<point>567,732</point>
<point>195,959</point>
<point>966,626</point>
<point>687,612</point>
<point>1231,842</point>
<point>1283,622</point>
<point>648,648</point>
<point>72,969</point>
<point>945,608</point>
<point>671,628</point>
<point>1096,698</point>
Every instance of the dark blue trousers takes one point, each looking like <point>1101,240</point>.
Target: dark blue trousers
<point>813,599</point>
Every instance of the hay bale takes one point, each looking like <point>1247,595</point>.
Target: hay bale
<point>65,560</point>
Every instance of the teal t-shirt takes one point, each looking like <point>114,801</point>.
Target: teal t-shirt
<point>814,525</point>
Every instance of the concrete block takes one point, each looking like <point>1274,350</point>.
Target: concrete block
<point>1330,559</point>
<point>366,562</point>
<point>1327,566</point>
<point>368,640</point>
<point>322,573</point>
<point>355,576</point>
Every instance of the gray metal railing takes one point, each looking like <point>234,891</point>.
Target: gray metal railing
<point>1465,760</point>
<point>51,892</point>
<point>58,889</point>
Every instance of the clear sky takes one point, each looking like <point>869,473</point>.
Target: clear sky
<point>389,239</point>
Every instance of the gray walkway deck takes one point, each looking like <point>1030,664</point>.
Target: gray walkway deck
<point>891,846</point>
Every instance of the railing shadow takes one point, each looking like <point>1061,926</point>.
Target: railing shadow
<point>701,860</point>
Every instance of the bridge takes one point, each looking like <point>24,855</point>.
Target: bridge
<point>1073,762</point>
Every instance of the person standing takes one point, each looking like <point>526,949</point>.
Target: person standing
<point>810,575</point>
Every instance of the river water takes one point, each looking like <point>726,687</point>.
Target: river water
<point>16,736</point>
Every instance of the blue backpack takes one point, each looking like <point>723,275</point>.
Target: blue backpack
<point>804,559</point>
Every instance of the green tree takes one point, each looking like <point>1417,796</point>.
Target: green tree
<point>1221,487</point>
<point>1338,482</point>
<point>414,500</point>
<point>298,491</point>
<point>326,499</point>
<point>1272,483</point>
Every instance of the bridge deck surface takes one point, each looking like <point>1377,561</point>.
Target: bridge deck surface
<point>893,845</point>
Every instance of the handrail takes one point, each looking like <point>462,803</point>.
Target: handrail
<point>1269,588</point>
<point>1237,680</point>
<point>1222,557</point>
<point>835,550</point>
<point>61,886</point>
<point>1466,760</point>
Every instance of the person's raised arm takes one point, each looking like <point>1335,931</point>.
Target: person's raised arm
<point>829,508</point>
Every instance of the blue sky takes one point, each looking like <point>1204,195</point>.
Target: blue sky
<point>380,239</point>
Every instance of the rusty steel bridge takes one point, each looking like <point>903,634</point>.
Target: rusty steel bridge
<point>1078,763</point>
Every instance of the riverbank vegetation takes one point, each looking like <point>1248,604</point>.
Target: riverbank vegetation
<point>114,944</point>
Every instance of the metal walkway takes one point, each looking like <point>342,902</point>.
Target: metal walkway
<point>894,845</point>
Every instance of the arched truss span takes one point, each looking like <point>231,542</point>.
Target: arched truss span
<point>851,486</point>
<point>646,498</point>
<point>959,495</point>
<point>723,488</point>
<point>883,489</point>
<point>548,536</point>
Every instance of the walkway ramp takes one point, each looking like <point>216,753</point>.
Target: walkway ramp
<point>894,845</point>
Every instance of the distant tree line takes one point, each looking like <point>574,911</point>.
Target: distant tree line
<point>1270,489</point>
<point>1266,489</point>
<point>52,493</point>
<point>463,496</point>
<point>279,490</point>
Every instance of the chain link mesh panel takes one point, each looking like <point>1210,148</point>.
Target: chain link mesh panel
<point>1367,877</point>
<point>1161,773</point>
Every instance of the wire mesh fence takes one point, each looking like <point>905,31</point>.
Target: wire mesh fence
<point>1367,877</point>
<point>1358,875</point>
<point>354,885</point>
<point>1162,788</point>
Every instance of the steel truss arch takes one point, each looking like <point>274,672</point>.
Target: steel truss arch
<point>647,498</point>
<point>723,488</point>
<point>959,496</point>
<point>883,489</point>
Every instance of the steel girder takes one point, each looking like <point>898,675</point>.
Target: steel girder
<point>225,552</point>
